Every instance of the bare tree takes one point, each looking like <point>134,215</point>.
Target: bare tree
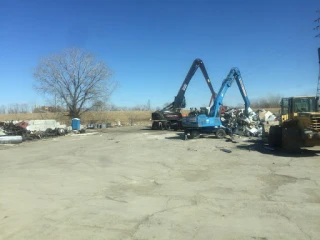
<point>270,101</point>
<point>140,108</point>
<point>17,108</point>
<point>3,109</point>
<point>13,108</point>
<point>274,100</point>
<point>113,107</point>
<point>76,77</point>
<point>99,106</point>
<point>24,108</point>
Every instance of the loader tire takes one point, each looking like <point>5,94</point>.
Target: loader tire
<point>275,136</point>
<point>154,126</point>
<point>194,134</point>
<point>291,140</point>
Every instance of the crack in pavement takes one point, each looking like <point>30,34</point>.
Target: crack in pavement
<point>116,200</point>
<point>291,221</point>
<point>146,218</point>
<point>195,233</point>
<point>165,165</point>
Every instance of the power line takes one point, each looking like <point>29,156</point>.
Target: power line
<point>317,21</point>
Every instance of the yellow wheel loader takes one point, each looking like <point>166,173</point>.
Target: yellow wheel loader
<point>299,124</point>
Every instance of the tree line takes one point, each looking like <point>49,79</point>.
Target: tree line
<point>29,108</point>
<point>270,101</point>
<point>15,108</point>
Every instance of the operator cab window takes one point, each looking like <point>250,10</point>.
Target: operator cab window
<point>284,106</point>
<point>304,105</point>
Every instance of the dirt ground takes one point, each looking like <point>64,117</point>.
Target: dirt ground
<point>135,183</point>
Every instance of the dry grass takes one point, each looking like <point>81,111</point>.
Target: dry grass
<point>125,117</point>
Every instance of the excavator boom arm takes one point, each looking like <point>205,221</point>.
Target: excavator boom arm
<point>179,101</point>
<point>234,74</point>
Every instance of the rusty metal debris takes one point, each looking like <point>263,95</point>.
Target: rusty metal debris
<point>15,131</point>
<point>98,125</point>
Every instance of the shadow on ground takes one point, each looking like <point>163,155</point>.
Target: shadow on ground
<point>158,130</point>
<point>260,146</point>
<point>178,136</point>
<point>181,136</point>
<point>148,129</point>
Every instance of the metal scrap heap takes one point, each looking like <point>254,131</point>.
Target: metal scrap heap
<point>11,132</point>
<point>252,125</point>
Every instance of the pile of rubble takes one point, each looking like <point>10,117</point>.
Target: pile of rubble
<point>252,125</point>
<point>100,125</point>
<point>16,132</point>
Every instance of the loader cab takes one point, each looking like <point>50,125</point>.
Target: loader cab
<point>304,104</point>
<point>290,107</point>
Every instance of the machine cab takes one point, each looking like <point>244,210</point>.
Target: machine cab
<point>290,107</point>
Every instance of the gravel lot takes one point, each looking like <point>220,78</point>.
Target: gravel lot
<point>135,183</point>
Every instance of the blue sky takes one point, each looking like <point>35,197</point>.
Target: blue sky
<point>151,44</point>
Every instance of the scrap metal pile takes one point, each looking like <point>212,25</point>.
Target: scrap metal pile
<point>17,132</point>
<point>252,125</point>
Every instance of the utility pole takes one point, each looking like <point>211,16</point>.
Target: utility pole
<point>318,35</point>
<point>317,21</point>
<point>318,87</point>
